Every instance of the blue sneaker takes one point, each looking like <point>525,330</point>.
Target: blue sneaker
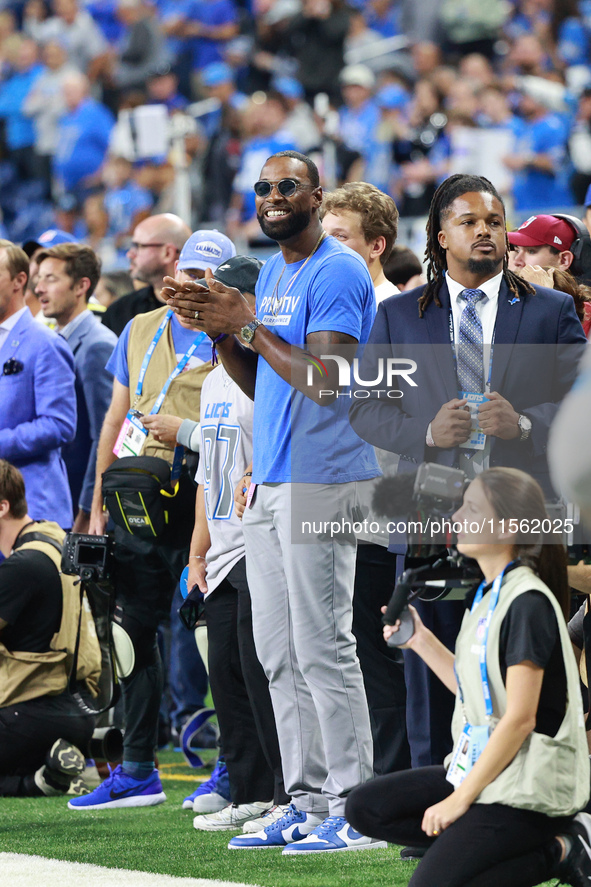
<point>332,835</point>
<point>121,790</point>
<point>293,826</point>
<point>213,795</point>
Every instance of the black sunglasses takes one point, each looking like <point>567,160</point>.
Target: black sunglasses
<point>286,187</point>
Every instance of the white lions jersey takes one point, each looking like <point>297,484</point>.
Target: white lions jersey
<point>226,452</point>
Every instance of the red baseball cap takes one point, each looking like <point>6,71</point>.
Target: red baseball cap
<point>544,231</point>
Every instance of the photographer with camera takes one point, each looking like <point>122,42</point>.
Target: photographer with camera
<point>519,772</point>
<point>43,732</point>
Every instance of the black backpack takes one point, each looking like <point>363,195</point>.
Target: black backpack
<point>137,491</point>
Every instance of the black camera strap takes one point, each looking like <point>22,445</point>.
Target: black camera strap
<point>74,691</point>
<point>35,537</point>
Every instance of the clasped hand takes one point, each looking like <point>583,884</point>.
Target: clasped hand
<point>220,308</point>
<point>452,424</point>
<point>497,418</point>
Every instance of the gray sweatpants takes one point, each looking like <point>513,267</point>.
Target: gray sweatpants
<point>302,612</point>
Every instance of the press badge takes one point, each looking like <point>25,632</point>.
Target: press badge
<point>477,439</point>
<point>468,749</point>
<point>132,436</point>
<point>250,495</point>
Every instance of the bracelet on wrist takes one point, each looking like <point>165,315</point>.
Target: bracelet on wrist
<point>214,342</point>
<point>247,474</point>
<point>198,557</point>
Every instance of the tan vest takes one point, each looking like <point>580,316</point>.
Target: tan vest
<point>549,774</point>
<point>25,675</point>
<point>184,395</point>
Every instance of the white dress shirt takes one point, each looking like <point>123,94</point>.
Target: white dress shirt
<point>487,312</point>
<point>486,309</point>
<point>385,290</point>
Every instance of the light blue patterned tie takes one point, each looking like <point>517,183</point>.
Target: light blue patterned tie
<point>470,362</point>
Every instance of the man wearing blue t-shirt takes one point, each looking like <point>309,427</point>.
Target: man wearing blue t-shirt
<point>539,159</point>
<point>314,300</point>
<point>209,24</point>
<point>83,137</point>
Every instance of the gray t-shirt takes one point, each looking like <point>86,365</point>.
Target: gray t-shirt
<point>225,453</point>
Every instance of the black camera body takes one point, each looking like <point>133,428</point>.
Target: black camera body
<point>426,499</point>
<point>90,557</point>
<point>439,487</point>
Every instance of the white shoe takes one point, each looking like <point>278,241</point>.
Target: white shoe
<point>332,836</point>
<point>231,817</point>
<point>257,825</point>
<point>292,826</point>
<point>211,803</point>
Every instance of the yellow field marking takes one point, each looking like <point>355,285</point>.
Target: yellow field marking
<point>182,777</point>
<point>171,771</point>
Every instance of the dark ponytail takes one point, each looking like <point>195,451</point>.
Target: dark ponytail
<point>515,495</point>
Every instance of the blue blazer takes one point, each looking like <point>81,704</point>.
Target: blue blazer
<point>38,416</point>
<point>92,345</point>
<point>538,342</point>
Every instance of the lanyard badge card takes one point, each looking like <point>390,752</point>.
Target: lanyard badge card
<point>132,436</point>
<point>477,439</point>
<point>468,749</point>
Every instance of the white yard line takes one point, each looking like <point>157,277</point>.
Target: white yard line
<point>20,870</point>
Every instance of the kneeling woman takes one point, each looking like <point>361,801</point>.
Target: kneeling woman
<point>519,771</point>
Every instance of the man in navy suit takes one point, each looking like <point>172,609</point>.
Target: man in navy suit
<point>37,399</point>
<point>536,341</point>
<point>67,276</point>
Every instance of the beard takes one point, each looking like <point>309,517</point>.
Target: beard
<point>485,266</point>
<point>290,226</point>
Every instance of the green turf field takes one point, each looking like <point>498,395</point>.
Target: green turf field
<point>162,840</point>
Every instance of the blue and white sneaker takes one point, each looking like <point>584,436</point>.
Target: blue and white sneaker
<point>121,790</point>
<point>212,795</point>
<point>293,826</point>
<point>332,835</point>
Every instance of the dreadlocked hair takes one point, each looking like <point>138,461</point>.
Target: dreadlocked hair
<point>450,189</point>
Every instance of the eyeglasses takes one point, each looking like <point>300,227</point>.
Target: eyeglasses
<point>285,187</point>
<point>138,246</point>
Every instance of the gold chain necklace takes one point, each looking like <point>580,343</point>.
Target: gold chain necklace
<point>276,300</point>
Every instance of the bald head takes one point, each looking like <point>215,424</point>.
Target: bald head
<point>166,227</point>
<point>75,88</point>
<point>157,242</point>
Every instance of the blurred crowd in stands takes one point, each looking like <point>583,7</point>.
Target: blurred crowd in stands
<point>392,92</point>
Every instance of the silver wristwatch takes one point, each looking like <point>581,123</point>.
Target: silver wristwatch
<point>247,332</point>
<point>524,426</point>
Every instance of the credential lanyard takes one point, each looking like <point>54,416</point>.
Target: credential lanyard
<point>150,352</point>
<point>177,370</point>
<point>494,599</point>
<point>178,450</point>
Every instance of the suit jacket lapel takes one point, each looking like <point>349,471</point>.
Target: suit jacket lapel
<point>438,330</point>
<point>16,334</point>
<point>509,313</point>
<point>82,330</point>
